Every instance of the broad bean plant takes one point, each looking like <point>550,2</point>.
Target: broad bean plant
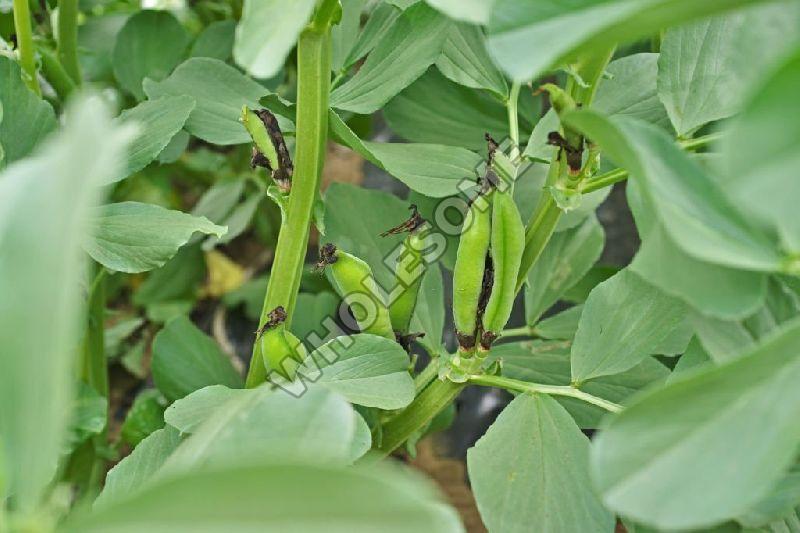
<point>163,171</point>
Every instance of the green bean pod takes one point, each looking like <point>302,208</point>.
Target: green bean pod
<point>410,264</point>
<point>507,245</point>
<point>280,349</point>
<point>473,247</point>
<point>355,282</point>
<point>269,147</point>
<point>402,308</point>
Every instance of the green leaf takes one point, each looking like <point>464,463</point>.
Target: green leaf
<point>145,417</point>
<point>158,122</point>
<point>41,228</point>
<point>311,310</point>
<point>762,154</point>
<point>534,452</point>
<point>781,501</point>
<point>690,204</point>
<point>136,471</point>
<point>623,321</point>
<point>436,110</point>
<point>185,359</point>
<point>176,280</point>
<point>547,362</point>
<point>706,67</point>
<point>560,326</point>
<point>564,261</point>
<point>360,236</point>
<point>631,90</point>
<point>465,61</point>
<point>318,426</point>
<point>429,312</point>
<point>174,148</point>
<point>695,357</point>
<point>267,32</point>
<point>366,369</point>
<point>88,417</point>
<point>219,91</point>
<point>475,11</point>
<point>558,31</point>
<point>26,118</point>
<point>135,237</point>
<point>380,20</point>
<point>729,431</point>
<point>713,290</point>
<point>215,41</point>
<point>149,45</point>
<point>722,340</point>
<point>189,412</point>
<point>412,44</point>
<point>259,497</point>
<point>430,169</point>
<point>345,34</point>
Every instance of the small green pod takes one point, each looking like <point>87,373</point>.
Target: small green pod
<point>409,270</point>
<point>402,308</point>
<point>356,284</point>
<point>473,246</point>
<point>280,349</point>
<point>269,147</point>
<point>507,245</point>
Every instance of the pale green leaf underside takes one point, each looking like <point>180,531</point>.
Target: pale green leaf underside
<point>136,237</point>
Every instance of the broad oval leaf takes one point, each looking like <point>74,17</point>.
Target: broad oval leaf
<point>149,45</point>
<point>278,498</point>
<point>136,237</point>
<point>318,426</point>
<point>623,321</point>
<point>529,472</point>
<point>430,169</point>
<point>465,61</point>
<point>366,369</point>
<point>25,119</point>
<point>139,468</point>
<point>713,290</point>
<point>706,67</point>
<point>219,91</point>
<point>475,11</point>
<point>762,156</point>
<point>557,31</point>
<point>729,431</point>
<point>690,204</point>
<point>267,32</point>
<point>631,90</point>
<point>433,109</point>
<point>185,360</point>
<point>215,41</point>
<point>158,121</point>
<point>412,44</point>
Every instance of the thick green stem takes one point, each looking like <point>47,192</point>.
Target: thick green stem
<point>313,89</point>
<point>94,370</point>
<point>27,59</point>
<point>55,74</point>
<point>68,38</point>
<point>427,375</point>
<point>553,390</point>
<point>436,396</point>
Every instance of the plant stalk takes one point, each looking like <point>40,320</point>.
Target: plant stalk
<point>425,406</point>
<point>513,118</point>
<point>24,32</point>
<point>94,371</point>
<point>313,90</point>
<point>55,74</point>
<point>552,390</point>
<point>68,38</point>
